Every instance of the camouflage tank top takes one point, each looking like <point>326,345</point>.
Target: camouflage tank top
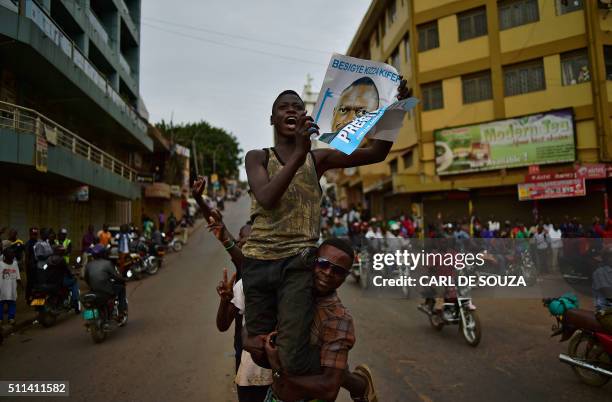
<point>293,224</point>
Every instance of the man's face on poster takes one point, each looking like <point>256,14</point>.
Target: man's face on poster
<point>355,101</point>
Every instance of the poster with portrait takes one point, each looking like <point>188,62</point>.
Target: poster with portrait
<point>358,98</point>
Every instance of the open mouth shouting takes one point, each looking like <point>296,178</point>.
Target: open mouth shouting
<point>291,122</point>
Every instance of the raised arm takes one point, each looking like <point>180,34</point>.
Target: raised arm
<point>226,310</point>
<point>268,191</point>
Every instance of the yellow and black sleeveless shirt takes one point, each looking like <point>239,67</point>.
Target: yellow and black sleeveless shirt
<point>294,222</point>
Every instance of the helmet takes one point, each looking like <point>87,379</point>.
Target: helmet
<point>98,251</point>
<point>63,231</point>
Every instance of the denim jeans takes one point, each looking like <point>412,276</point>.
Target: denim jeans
<point>12,309</point>
<point>72,283</point>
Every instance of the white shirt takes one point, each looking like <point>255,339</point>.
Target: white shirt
<point>249,373</point>
<point>9,274</point>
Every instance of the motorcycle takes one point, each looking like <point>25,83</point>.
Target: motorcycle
<point>590,348</point>
<point>153,261</point>
<point>175,244</point>
<point>457,310</point>
<point>101,315</point>
<point>50,298</point>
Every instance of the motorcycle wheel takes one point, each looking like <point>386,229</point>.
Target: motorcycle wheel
<point>472,331</point>
<point>153,267</point>
<point>363,272</point>
<point>177,246</point>
<point>586,348</point>
<point>436,321</point>
<point>123,322</point>
<point>47,319</point>
<point>97,334</point>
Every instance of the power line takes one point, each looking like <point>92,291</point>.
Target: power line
<point>246,49</point>
<point>229,35</point>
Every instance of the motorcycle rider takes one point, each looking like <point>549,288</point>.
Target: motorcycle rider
<point>102,277</point>
<point>66,243</point>
<point>62,274</point>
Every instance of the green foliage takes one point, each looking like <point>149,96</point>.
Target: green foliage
<point>208,139</point>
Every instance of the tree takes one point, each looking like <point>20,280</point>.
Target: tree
<point>227,157</point>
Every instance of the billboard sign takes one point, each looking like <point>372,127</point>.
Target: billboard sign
<point>536,139</point>
<point>551,189</point>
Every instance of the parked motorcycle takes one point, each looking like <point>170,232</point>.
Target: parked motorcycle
<point>457,310</point>
<point>590,348</point>
<point>101,315</point>
<point>50,298</point>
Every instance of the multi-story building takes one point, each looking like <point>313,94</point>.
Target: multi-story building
<point>482,69</point>
<point>73,130</point>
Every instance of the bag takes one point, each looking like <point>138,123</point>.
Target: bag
<point>561,304</point>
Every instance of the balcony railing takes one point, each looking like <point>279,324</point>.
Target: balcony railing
<point>56,35</point>
<point>97,26</point>
<point>12,5</point>
<point>125,64</point>
<point>26,120</point>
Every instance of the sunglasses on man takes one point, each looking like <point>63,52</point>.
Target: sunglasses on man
<point>326,264</point>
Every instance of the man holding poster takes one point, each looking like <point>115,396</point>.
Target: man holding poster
<point>285,208</point>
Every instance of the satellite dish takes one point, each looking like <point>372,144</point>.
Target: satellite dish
<point>350,171</point>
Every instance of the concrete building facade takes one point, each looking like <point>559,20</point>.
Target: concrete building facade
<point>476,61</point>
<point>73,127</point>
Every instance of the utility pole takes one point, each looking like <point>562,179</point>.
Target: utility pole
<point>195,155</point>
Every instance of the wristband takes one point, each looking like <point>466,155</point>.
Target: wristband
<point>230,246</point>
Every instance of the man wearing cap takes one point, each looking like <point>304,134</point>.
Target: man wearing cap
<point>102,277</point>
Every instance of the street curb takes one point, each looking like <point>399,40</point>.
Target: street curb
<point>18,327</point>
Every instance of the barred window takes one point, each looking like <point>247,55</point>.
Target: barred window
<point>472,23</point>
<point>393,166</point>
<point>575,67</point>
<point>407,158</point>
<point>432,96</point>
<point>608,59</point>
<point>567,6</point>
<point>395,59</point>
<point>392,12</point>
<point>477,87</point>
<point>428,36</point>
<point>513,13</point>
<point>524,77</point>
<point>407,47</point>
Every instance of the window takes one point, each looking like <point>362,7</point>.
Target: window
<point>472,23</point>
<point>432,96</point>
<point>567,6</point>
<point>523,78</point>
<point>575,67</point>
<point>513,13</point>
<point>395,59</point>
<point>407,158</point>
<point>608,58</point>
<point>407,47</point>
<point>393,166</point>
<point>428,36</point>
<point>392,12</point>
<point>477,87</point>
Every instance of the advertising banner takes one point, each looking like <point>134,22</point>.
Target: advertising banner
<point>358,98</point>
<point>536,139</point>
<point>551,189</point>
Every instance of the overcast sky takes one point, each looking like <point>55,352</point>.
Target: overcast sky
<point>226,61</point>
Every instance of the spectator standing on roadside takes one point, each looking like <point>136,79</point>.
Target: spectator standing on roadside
<point>87,241</point>
<point>104,236</point>
<point>30,261</point>
<point>9,277</point>
<point>542,243</point>
<point>556,247</point>
<point>161,218</point>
